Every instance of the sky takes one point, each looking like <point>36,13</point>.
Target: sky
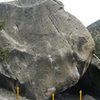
<point>87,11</point>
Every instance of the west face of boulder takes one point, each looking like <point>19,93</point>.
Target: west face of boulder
<point>44,48</point>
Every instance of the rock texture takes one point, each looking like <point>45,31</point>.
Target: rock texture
<point>94,29</point>
<point>6,95</point>
<point>94,71</point>
<point>43,48</point>
<point>75,97</point>
<point>87,97</point>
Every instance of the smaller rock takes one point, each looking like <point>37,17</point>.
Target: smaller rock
<point>6,95</point>
<point>87,97</point>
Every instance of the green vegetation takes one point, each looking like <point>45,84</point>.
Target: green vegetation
<point>2,24</point>
<point>3,53</point>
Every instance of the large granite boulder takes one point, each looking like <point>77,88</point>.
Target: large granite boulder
<point>43,48</point>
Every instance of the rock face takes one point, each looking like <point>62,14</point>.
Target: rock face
<point>75,97</point>
<point>44,48</point>
<point>87,97</point>
<point>94,71</point>
<point>94,29</point>
<point>6,95</point>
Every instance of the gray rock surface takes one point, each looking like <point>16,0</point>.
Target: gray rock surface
<point>94,29</point>
<point>87,97</point>
<point>6,95</point>
<point>94,72</point>
<point>43,47</point>
<point>75,97</point>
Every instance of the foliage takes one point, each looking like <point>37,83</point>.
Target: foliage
<point>2,24</point>
<point>3,53</point>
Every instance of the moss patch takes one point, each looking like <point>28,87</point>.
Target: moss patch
<point>2,25</point>
<point>3,53</point>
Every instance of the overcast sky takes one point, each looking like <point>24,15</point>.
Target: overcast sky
<point>85,10</point>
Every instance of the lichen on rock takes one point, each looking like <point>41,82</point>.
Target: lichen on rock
<point>2,24</point>
<point>3,53</point>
